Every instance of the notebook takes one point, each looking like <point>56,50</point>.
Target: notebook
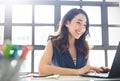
<point>114,71</point>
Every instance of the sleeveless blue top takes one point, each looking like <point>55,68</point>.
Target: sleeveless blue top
<point>65,60</point>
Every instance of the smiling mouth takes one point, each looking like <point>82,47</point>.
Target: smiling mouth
<point>79,32</point>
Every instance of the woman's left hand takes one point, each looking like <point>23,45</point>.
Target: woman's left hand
<point>100,69</point>
<point>104,69</point>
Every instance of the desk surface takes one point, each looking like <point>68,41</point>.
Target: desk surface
<point>70,78</point>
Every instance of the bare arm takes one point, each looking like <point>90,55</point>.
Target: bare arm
<point>45,66</point>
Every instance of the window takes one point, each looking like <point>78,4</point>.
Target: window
<point>114,37</point>
<point>26,66</point>
<point>97,58</point>
<point>65,9</point>
<point>95,36</point>
<point>113,15</point>
<point>21,14</point>
<point>22,35</point>
<point>94,16</point>
<point>111,55</point>
<point>2,13</point>
<point>42,33</point>
<point>44,14</point>
<point>1,35</point>
<point>38,55</point>
<point>2,19</point>
<point>30,23</point>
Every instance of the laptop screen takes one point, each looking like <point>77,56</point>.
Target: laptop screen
<point>115,69</point>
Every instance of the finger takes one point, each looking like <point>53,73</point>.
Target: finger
<point>92,71</point>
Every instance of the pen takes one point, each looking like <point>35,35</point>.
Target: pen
<point>15,53</point>
<point>1,56</point>
<point>2,48</point>
<point>13,73</point>
<point>20,60</point>
<point>25,51</point>
<point>7,50</point>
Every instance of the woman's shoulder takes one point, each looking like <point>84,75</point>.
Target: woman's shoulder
<point>51,37</point>
<point>49,43</point>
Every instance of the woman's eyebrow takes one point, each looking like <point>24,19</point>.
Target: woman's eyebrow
<point>79,19</point>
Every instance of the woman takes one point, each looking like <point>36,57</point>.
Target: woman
<point>67,52</point>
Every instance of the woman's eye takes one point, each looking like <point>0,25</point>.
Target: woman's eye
<point>81,23</point>
<point>85,25</point>
<point>78,22</point>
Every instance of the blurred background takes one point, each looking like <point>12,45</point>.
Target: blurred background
<point>29,22</point>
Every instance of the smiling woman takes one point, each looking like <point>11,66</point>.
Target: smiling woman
<point>29,22</point>
<point>68,46</point>
<point>67,52</point>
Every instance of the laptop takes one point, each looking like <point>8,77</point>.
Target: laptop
<point>114,71</point>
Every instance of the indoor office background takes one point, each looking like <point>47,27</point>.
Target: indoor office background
<point>29,22</point>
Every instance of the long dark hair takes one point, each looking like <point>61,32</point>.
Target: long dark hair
<point>60,41</point>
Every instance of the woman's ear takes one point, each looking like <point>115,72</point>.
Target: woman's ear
<point>67,24</point>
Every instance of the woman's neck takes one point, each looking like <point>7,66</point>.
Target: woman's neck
<point>71,41</point>
<point>72,49</point>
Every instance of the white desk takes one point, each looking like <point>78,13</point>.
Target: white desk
<point>70,78</point>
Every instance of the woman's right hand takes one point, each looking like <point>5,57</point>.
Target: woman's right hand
<point>84,70</point>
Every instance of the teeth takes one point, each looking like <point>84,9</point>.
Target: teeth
<point>78,32</point>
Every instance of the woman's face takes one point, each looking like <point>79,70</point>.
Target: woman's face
<point>77,26</point>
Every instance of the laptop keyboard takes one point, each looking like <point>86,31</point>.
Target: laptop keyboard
<point>98,74</point>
